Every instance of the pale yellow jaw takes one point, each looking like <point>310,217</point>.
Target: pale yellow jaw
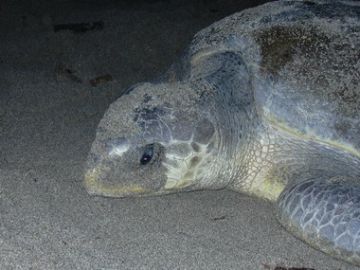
<point>95,187</point>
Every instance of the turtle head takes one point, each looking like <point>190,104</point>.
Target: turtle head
<point>152,140</point>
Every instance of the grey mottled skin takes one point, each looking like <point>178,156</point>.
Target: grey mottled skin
<point>264,102</point>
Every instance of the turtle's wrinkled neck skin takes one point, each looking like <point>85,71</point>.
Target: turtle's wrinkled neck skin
<point>276,157</point>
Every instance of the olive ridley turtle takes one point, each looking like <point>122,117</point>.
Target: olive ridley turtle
<point>265,102</point>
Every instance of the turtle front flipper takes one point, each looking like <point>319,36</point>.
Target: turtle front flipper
<point>325,214</point>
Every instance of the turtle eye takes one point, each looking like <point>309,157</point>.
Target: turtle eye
<point>147,154</point>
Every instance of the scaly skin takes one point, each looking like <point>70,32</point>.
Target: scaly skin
<point>326,214</point>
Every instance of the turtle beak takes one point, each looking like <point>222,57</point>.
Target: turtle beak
<point>95,185</point>
<point>91,182</point>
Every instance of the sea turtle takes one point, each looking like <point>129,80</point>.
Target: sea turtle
<point>265,102</point>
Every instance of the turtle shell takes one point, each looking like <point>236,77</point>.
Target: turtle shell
<point>304,59</point>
